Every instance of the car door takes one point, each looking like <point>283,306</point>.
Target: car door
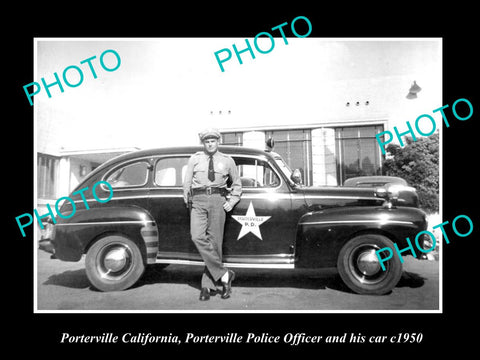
<point>261,229</point>
<point>168,208</point>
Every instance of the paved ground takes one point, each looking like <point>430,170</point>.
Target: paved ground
<point>64,286</point>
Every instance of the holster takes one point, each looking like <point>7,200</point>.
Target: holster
<point>189,202</point>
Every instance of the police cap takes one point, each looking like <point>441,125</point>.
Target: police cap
<point>209,134</point>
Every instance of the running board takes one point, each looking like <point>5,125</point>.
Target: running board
<point>229,264</point>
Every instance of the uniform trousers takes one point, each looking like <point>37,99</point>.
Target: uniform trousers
<point>207,223</point>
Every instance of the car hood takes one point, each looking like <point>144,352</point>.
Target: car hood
<point>320,197</point>
<point>338,191</point>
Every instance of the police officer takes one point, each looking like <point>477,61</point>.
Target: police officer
<point>205,188</point>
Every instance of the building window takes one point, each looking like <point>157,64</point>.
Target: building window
<point>233,138</point>
<point>47,168</point>
<point>358,153</point>
<point>295,147</point>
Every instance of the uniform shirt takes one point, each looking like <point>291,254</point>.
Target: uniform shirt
<point>196,175</point>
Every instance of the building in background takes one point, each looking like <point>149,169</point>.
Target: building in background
<point>321,100</point>
<point>325,154</point>
<point>58,174</point>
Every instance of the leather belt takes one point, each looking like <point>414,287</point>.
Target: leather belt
<point>209,191</point>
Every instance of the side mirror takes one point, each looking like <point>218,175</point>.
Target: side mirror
<point>296,177</point>
<point>270,143</point>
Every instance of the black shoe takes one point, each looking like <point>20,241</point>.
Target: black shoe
<point>227,287</point>
<point>204,294</point>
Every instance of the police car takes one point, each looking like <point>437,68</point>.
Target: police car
<point>278,223</point>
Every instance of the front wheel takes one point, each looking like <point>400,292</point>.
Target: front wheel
<point>360,269</point>
<point>114,263</point>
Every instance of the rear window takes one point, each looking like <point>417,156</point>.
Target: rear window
<point>135,174</point>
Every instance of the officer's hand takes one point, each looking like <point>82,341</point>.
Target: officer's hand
<point>227,206</point>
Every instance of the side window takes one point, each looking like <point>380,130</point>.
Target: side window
<point>170,171</point>
<point>135,174</point>
<point>256,173</point>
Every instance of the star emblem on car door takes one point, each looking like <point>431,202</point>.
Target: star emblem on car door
<point>250,222</point>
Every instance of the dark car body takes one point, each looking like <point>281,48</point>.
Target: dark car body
<point>276,224</point>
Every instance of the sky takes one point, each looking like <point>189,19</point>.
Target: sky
<point>166,90</point>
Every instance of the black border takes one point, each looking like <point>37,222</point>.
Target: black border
<point>28,331</point>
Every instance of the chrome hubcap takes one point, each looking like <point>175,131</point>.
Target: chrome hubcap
<point>368,263</point>
<point>115,260</point>
<point>365,266</point>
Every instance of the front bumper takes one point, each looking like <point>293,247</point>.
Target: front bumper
<point>47,236</point>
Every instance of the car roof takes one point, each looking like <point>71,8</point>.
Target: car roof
<point>227,149</point>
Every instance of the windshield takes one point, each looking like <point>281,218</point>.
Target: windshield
<point>284,167</point>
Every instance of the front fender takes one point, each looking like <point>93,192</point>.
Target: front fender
<point>73,236</point>
<point>321,234</point>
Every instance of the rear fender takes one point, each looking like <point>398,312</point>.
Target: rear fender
<point>75,235</point>
<point>321,234</point>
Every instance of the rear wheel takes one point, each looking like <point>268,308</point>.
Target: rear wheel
<point>360,269</point>
<point>114,263</point>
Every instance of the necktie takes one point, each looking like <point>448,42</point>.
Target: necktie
<point>211,171</point>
